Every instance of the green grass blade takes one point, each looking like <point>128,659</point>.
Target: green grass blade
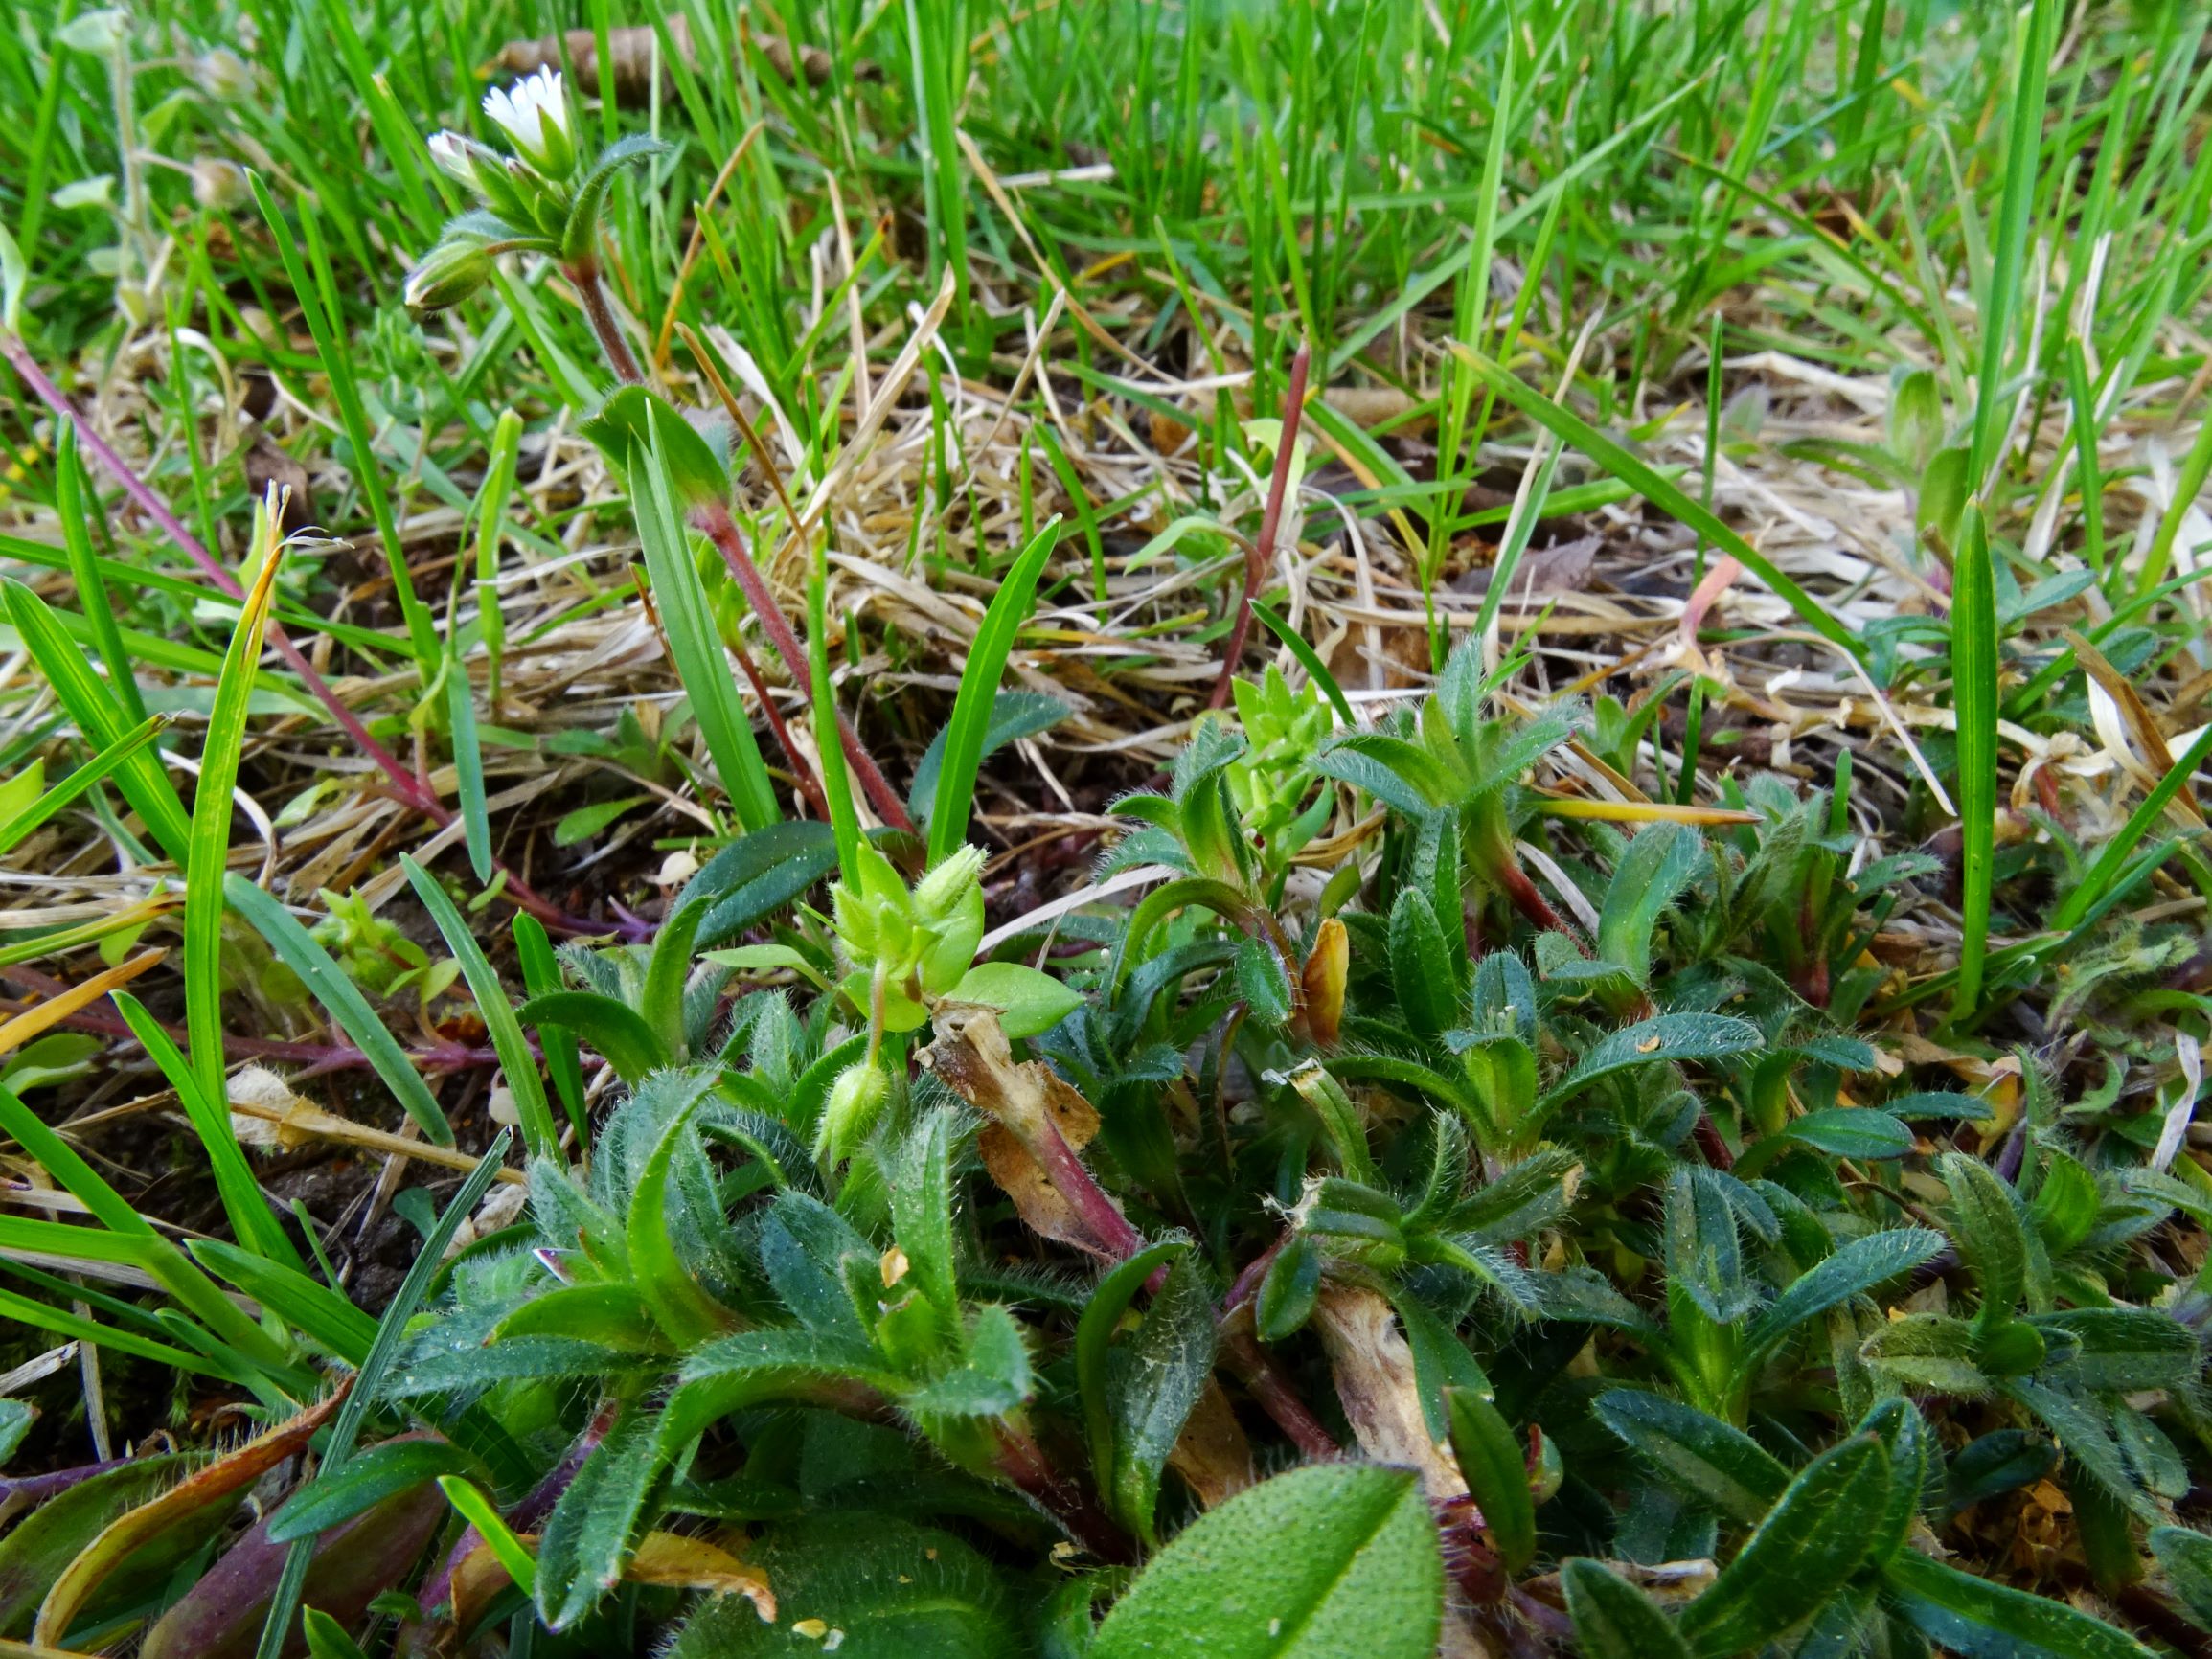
<point>467,763</point>
<point>836,783</point>
<point>391,1332</point>
<point>70,496</point>
<point>176,1272</point>
<point>95,713</point>
<point>211,817</point>
<point>701,664</point>
<point>1569,428</point>
<point>979,680</point>
<point>15,828</point>
<point>251,1220</point>
<point>2008,257</point>
<point>2113,858</point>
<point>1973,668</point>
<point>541,977</point>
<point>517,1060</point>
<point>343,1001</point>
<point>471,1504</point>
<point>1307,659</point>
<point>346,393</point>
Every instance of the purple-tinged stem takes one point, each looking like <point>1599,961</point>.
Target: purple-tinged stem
<point>592,295</point>
<point>405,787</point>
<point>1257,556</point>
<point>722,530</point>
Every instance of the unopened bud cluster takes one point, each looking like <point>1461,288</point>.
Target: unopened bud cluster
<point>915,942</point>
<point>1271,782</point>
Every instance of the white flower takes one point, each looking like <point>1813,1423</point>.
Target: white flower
<point>534,112</point>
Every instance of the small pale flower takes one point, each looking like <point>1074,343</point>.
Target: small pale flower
<point>534,112</point>
<point>451,152</point>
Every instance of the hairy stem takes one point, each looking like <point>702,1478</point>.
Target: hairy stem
<point>599,311</point>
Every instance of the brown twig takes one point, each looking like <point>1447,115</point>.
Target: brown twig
<point>1270,520</point>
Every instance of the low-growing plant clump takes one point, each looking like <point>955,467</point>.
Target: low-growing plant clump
<point>1512,1168</point>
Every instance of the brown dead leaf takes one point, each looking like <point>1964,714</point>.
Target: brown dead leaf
<point>1374,1381</point>
<point>1026,1103</point>
<point>222,1482</point>
<point>1567,568</point>
<point>1212,1455</point>
<point>670,1561</point>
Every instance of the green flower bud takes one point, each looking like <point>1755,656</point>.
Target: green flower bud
<point>875,915</point>
<point>225,75</point>
<point>448,274</point>
<point>856,1100</point>
<point>938,894</point>
<point>949,904</point>
<point>218,184</point>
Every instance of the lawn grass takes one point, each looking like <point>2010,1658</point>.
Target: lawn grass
<point>1820,386</point>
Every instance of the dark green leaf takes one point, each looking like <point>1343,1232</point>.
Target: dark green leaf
<point>1979,1620</point>
<point>2186,1555</point>
<point>368,1479</point>
<point>1492,1463</point>
<point>1700,1456</point>
<point>1288,1290</point>
<point>1704,1257</point>
<point>1801,1554</point>
<point>1154,1381</point>
<point>1858,1266</point>
<point>1613,1619</point>
<point>1421,965</point>
<point>1671,1036</point>
<point>612,1030</point>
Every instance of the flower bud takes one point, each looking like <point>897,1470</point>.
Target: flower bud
<point>875,915</point>
<point>448,274</point>
<point>225,75</point>
<point>99,31</point>
<point>218,184</point>
<point>939,895</point>
<point>952,925</point>
<point>856,1100</point>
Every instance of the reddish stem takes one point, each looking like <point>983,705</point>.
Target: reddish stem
<point>407,787</point>
<point>314,1056</point>
<point>1021,1461</point>
<point>1276,1396</point>
<point>1097,1211</point>
<point>1257,556</point>
<point>722,530</point>
<point>1533,904</point>
<point>715,519</point>
<point>810,785</point>
<point>592,295</point>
